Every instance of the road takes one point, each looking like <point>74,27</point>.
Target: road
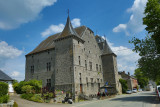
<point>141,99</point>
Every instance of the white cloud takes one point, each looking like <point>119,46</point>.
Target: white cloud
<point>15,74</point>
<point>126,58</point>
<point>76,22</point>
<point>13,13</point>
<point>58,28</point>
<point>12,61</point>
<point>7,51</point>
<point>135,23</point>
<point>52,30</point>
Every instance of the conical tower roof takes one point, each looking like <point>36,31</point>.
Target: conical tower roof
<point>68,29</point>
<point>106,48</point>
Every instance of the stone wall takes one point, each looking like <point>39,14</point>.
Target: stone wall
<point>64,64</point>
<point>39,61</point>
<point>90,79</point>
<point>110,73</point>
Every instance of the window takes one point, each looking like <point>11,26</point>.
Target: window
<point>92,84</point>
<point>78,42</point>
<point>49,66</point>
<point>90,65</point>
<point>97,80</point>
<point>100,67</point>
<point>87,81</point>
<point>48,83</point>
<point>97,67</point>
<point>32,69</point>
<point>80,78</point>
<point>79,60</point>
<point>86,64</point>
<point>84,49</point>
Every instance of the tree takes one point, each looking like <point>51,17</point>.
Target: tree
<point>142,80</point>
<point>152,20</point>
<point>124,85</point>
<point>149,57</point>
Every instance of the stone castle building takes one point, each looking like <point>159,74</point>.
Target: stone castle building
<point>74,60</point>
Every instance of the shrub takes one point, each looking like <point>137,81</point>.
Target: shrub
<point>3,89</point>
<point>18,86</point>
<point>27,89</point>
<point>124,85</point>
<point>27,96</point>
<point>4,99</point>
<point>15,104</point>
<point>37,98</point>
<point>36,86</point>
<point>48,95</point>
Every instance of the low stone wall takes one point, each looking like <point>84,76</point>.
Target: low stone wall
<point>9,104</point>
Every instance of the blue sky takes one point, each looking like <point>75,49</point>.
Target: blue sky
<point>24,24</point>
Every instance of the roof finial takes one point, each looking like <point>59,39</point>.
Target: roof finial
<point>68,12</point>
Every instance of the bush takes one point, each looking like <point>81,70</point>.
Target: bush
<point>37,98</point>
<point>15,104</point>
<point>27,89</point>
<point>36,86</point>
<point>124,85</point>
<point>3,89</point>
<point>4,99</point>
<point>27,96</point>
<point>18,86</point>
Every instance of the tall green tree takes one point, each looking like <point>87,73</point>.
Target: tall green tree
<point>142,79</point>
<point>150,60</point>
<point>152,20</point>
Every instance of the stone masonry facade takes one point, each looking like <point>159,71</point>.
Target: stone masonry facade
<point>74,60</point>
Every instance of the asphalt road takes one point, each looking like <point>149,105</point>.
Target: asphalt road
<point>141,99</point>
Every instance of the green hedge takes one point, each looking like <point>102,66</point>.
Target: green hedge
<point>4,99</point>
<point>3,89</point>
<point>3,92</point>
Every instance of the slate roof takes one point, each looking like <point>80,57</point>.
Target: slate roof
<point>68,30</point>
<point>104,45</point>
<point>49,42</point>
<point>4,77</point>
<point>106,48</point>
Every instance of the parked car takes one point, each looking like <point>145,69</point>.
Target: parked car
<point>140,90</point>
<point>134,90</point>
<point>158,91</point>
<point>128,92</point>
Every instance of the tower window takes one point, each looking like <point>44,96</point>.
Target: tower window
<point>79,60</point>
<point>32,69</point>
<point>78,42</point>
<point>100,67</point>
<point>49,66</point>
<point>97,67</point>
<point>86,64</point>
<point>87,81</point>
<point>48,83</point>
<point>90,65</point>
